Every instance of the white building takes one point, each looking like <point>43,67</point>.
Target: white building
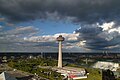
<point>107,65</point>
<point>72,72</point>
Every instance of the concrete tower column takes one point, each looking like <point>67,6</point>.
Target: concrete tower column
<point>60,39</point>
<point>60,55</point>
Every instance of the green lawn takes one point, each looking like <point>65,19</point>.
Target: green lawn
<point>94,74</point>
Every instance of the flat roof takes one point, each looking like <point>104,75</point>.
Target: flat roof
<point>66,70</point>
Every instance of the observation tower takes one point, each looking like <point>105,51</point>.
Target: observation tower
<point>60,39</point>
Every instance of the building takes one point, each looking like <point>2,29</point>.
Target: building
<point>6,76</point>
<point>72,72</point>
<point>107,65</point>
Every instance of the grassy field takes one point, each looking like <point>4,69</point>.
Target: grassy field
<point>94,74</point>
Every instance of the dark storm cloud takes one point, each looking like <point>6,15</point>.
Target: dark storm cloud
<point>15,36</point>
<point>83,10</point>
<point>86,12</point>
<point>97,39</point>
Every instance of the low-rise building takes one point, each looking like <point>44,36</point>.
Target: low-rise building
<point>6,76</point>
<point>107,65</point>
<point>72,72</point>
<point>114,67</point>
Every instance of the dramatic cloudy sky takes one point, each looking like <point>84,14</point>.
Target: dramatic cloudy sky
<point>34,25</point>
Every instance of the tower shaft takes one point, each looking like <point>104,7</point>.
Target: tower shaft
<point>60,55</point>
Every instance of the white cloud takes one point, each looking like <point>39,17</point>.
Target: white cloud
<point>81,43</point>
<point>109,31</point>
<point>2,19</point>
<point>114,30</point>
<point>50,38</point>
<point>107,26</point>
<point>0,26</point>
<point>15,35</point>
<point>110,47</point>
<point>75,49</point>
<point>22,30</point>
<point>68,46</point>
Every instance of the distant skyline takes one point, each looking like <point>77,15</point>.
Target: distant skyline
<point>34,25</point>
